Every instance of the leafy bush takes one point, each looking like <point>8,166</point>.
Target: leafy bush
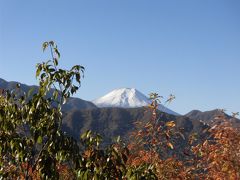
<point>33,145</point>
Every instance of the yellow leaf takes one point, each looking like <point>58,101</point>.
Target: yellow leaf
<point>148,125</point>
<point>170,145</point>
<point>170,124</point>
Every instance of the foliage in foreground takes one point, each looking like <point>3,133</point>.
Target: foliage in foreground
<point>33,145</point>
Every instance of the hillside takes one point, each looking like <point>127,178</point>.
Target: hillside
<point>113,122</point>
<point>72,103</point>
<point>209,117</point>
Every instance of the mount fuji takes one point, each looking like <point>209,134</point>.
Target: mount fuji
<point>127,98</point>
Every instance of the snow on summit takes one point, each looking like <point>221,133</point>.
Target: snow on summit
<point>126,98</point>
<point>122,97</point>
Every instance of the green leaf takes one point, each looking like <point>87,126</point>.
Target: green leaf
<point>78,77</point>
<point>85,176</point>
<point>12,144</point>
<point>44,46</point>
<point>55,94</point>
<point>55,62</point>
<point>118,139</point>
<point>51,43</point>
<point>39,69</point>
<point>39,140</point>
<point>86,134</point>
<point>57,52</point>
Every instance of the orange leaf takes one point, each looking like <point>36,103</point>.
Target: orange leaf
<point>170,124</point>
<point>170,145</point>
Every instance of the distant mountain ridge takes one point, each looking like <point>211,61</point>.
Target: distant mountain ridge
<point>127,98</point>
<point>80,115</point>
<point>210,116</point>
<point>72,103</point>
<point>114,121</point>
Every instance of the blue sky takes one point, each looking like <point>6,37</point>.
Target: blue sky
<point>188,48</point>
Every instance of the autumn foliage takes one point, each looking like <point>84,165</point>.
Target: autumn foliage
<point>218,157</point>
<point>215,157</point>
<point>33,145</point>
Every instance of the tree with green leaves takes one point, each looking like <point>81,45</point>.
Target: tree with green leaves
<point>30,124</point>
<point>33,145</point>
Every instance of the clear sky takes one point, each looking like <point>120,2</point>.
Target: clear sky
<point>190,48</point>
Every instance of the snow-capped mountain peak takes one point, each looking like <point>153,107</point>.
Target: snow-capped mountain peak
<point>126,98</point>
<point>122,97</point>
